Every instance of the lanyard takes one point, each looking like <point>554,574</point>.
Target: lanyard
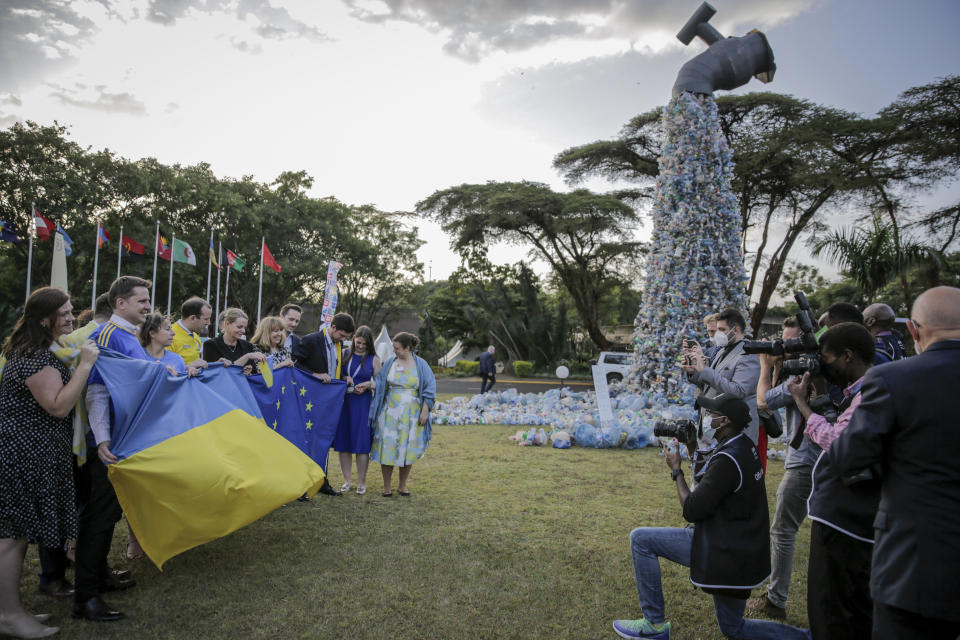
<point>353,374</point>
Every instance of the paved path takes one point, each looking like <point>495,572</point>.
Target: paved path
<point>469,386</point>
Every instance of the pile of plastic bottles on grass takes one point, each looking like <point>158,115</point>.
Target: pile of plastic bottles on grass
<point>562,418</point>
<point>565,417</point>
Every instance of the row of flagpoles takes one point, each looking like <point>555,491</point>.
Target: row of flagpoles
<point>175,251</point>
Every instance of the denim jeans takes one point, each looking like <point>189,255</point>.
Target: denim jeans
<point>649,544</point>
<point>791,510</point>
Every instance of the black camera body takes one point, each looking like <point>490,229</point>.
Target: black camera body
<point>683,430</point>
<point>805,345</point>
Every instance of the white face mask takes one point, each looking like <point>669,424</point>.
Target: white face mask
<point>721,339</point>
<point>709,437</point>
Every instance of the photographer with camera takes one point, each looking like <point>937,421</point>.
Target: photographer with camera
<point>907,426</point>
<point>842,508</point>
<point>730,371</point>
<point>728,548</point>
<point>794,489</point>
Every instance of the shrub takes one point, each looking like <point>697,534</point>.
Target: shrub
<point>522,368</point>
<point>467,367</point>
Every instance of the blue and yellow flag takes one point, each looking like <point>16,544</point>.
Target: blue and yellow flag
<point>302,409</point>
<point>197,461</point>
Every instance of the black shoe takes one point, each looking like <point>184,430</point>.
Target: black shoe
<point>303,498</point>
<point>96,610</point>
<point>60,588</point>
<point>121,574</point>
<point>330,491</point>
<point>113,583</point>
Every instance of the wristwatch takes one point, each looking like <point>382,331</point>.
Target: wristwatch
<point>676,473</point>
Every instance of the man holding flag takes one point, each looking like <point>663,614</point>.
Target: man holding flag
<point>130,300</point>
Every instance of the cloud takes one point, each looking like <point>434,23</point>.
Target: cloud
<point>37,37</point>
<point>273,22</point>
<point>475,30</point>
<point>245,47</point>
<point>98,99</point>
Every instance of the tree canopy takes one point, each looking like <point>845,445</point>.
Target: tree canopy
<point>581,235</point>
<point>72,186</point>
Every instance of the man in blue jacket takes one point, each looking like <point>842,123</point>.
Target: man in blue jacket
<point>906,432</point>
<point>487,370</point>
<point>728,549</point>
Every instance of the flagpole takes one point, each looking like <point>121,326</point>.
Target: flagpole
<point>226,290</point>
<point>119,251</point>
<point>263,239</point>
<point>219,260</point>
<point>156,252</point>
<point>209,264</point>
<point>30,229</point>
<point>173,243</point>
<point>96,264</point>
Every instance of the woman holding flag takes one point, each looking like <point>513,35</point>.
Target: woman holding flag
<point>37,397</point>
<point>268,340</point>
<point>230,347</point>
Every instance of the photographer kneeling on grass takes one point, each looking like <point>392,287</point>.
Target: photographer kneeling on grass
<point>728,549</point>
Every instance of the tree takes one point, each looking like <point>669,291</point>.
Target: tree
<point>73,186</point>
<point>871,258</point>
<point>579,234</point>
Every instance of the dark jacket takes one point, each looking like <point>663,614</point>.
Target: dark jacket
<point>310,353</point>
<point>487,365</point>
<point>731,540</point>
<point>906,428</point>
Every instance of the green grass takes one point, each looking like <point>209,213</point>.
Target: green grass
<point>497,541</point>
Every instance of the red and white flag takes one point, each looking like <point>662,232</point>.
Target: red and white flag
<point>44,227</point>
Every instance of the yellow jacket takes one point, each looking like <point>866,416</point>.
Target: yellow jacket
<point>186,344</point>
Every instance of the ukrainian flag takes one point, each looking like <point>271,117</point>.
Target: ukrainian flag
<point>197,461</point>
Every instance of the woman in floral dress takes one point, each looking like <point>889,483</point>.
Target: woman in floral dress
<point>404,393</point>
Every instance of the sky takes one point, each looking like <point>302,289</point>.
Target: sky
<point>385,101</point>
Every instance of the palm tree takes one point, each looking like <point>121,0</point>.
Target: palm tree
<point>870,257</point>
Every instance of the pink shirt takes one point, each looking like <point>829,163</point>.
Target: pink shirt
<point>821,431</point>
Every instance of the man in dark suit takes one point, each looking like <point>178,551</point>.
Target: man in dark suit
<point>487,370</point>
<point>290,314</point>
<point>906,431</point>
<point>321,353</point>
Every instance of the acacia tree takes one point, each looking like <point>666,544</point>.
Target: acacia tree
<point>579,234</point>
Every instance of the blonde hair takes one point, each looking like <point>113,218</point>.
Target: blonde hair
<point>231,315</point>
<point>261,338</point>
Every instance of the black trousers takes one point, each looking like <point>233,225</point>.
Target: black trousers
<point>838,585</point>
<point>98,516</point>
<point>492,377</point>
<point>892,623</point>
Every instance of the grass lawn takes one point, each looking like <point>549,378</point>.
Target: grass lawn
<point>497,541</point>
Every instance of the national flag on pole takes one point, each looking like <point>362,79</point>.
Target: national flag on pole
<point>183,252</point>
<point>268,260</point>
<point>163,249</point>
<point>102,237</point>
<point>235,261</point>
<point>131,247</point>
<point>197,461</point>
<point>67,242</point>
<point>44,227</point>
<point>7,234</point>
<point>213,255</point>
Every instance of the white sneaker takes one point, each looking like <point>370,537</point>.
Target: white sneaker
<point>346,487</point>
<point>361,490</point>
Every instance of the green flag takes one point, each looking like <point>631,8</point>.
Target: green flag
<point>183,252</point>
<point>235,261</point>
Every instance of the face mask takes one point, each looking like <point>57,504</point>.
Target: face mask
<point>709,437</point>
<point>721,339</point>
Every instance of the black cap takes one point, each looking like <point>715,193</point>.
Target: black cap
<point>727,405</point>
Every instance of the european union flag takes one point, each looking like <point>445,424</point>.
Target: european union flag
<point>302,409</point>
<point>197,461</point>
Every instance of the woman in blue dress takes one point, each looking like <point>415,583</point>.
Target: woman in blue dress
<point>361,365</point>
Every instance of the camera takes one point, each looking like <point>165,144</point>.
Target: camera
<point>806,363</point>
<point>822,404</point>
<point>805,344</point>
<point>683,430</point>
